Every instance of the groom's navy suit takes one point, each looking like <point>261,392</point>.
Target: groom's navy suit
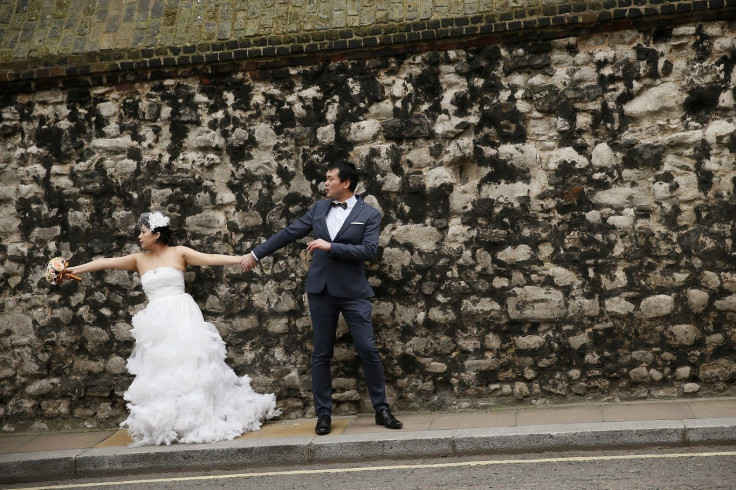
<point>337,283</point>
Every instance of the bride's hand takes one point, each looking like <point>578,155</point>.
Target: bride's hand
<point>247,262</point>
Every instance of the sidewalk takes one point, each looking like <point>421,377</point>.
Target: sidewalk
<point>64,455</point>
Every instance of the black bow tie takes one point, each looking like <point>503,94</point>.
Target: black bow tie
<point>343,205</point>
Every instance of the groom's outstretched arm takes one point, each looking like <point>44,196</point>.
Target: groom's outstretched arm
<point>296,230</point>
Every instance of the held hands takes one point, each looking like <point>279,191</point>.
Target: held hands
<point>247,262</point>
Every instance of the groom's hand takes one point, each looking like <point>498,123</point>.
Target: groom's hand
<point>319,244</point>
<point>247,262</point>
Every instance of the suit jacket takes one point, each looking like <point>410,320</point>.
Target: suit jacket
<point>342,269</point>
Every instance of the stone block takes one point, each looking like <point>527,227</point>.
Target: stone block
<point>535,304</point>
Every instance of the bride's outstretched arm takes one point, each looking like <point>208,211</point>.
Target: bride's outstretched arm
<point>193,257</point>
<point>127,263</point>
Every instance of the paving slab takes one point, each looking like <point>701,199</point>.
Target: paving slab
<point>121,438</point>
<point>504,418</point>
<point>10,444</point>
<point>65,440</point>
<point>559,415</point>
<point>366,424</point>
<point>647,411</point>
<point>704,409</point>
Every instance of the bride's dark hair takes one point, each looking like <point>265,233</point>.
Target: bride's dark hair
<point>165,231</point>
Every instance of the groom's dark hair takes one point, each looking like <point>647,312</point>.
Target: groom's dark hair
<point>346,171</point>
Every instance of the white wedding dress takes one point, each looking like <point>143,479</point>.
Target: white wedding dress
<point>183,390</point>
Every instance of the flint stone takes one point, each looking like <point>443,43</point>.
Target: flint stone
<point>565,155</point>
<point>474,365</point>
<point>424,238</point>
<point>618,197</point>
<point>715,339</point>
<point>657,306</point>
<point>205,139</point>
<point>578,341</point>
<point>438,367</point>
<point>394,260</point>
<point>439,176</point>
<point>721,370</point>
<point>660,100</point>
<point>690,388</point>
<point>697,300</point>
<point>535,304</point>
<point>479,307</point>
<point>8,193</point>
<point>116,365</point>
<point>346,396</point>
<point>441,315</point>
<point>639,375</point>
<point>682,334</point>
<point>20,327</point>
<point>512,255</point>
<point>619,307</point>
<point>326,134</point>
<point>710,280</point>
<point>446,127</point>
<point>718,132</point>
<point>121,331</point>
<point>107,109</point>
<point>41,387</point>
<point>95,337</point>
<point>584,307</point>
<point>414,127</point>
<point>521,390</point>
<point>530,342</point>
<point>603,156</point>
<point>364,131</point>
<point>419,158</point>
<point>113,145</point>
<point>563,277</point>
<point>683,373</point>
<point>206,222</point>
<point>726,304</point>
<point>9,220</point>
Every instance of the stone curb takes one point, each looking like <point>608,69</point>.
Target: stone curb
<point>254,453</point>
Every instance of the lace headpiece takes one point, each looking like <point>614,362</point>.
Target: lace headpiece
<point>157,220</point>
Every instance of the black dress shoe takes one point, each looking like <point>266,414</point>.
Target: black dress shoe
<point>385,418</point>
<point>324,425</point>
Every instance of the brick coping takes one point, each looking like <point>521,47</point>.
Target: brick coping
<point>523,25</point>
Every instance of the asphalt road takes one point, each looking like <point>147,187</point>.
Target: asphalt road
<point>688,468</point>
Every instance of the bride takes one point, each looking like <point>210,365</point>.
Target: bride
<point>183,390</point>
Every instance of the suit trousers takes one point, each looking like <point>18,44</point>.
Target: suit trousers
<point>325,310</point>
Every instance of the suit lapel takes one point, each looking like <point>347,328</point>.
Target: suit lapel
<point>357,209</point>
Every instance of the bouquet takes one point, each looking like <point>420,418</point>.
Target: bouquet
<point>56,271</point>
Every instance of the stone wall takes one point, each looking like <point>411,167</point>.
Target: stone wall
<point>558,220</point>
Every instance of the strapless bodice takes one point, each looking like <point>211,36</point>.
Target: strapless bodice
<point>162,281</point>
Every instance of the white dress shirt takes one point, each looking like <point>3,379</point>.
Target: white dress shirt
<point>336,216</point>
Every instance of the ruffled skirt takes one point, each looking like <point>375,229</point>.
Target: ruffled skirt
<point>183,390</point>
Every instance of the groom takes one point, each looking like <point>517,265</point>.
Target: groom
<point>345,231</point>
